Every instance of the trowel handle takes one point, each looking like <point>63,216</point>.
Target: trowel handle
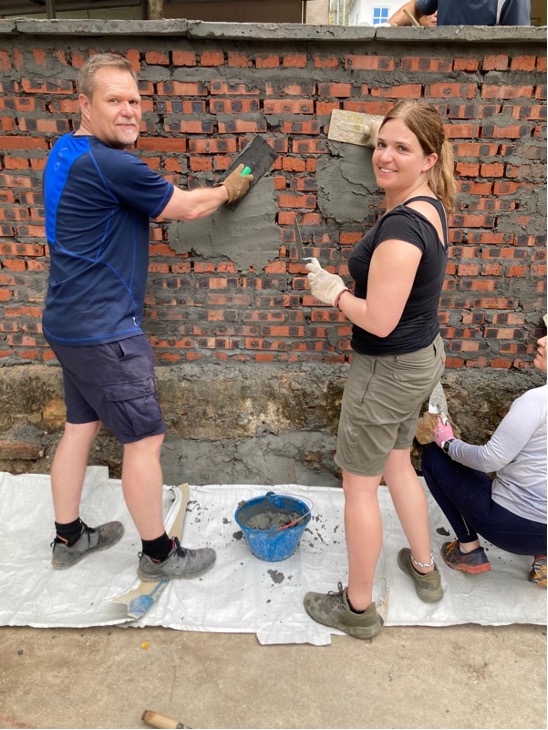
<point>363,128</point>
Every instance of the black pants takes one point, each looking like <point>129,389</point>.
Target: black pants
<point>464,496</point>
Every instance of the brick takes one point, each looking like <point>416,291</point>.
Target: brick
<point>182,88</point>
<point>491,91</point>
<point>403,91</point>
<point>239,60</point>
<point>422,64</point>
<point>157,58</point>
<point>325,61</point>
<point>337,90</point>
<point>498,62</point>
<point>267,61</point>
<point>242,126</point>
<point>465,64</point>
<point>512,131</point>
<point>183,58</point>
<point>233,106</point>
<point>452,90</point>
<point>212,146</point>
<point>22,143</point>
<point>523,63</point>
<point>227,88</point>
<point>289,106</point>
<point>212,58</point>
<point>294,60</point>
<point>369,63</point>
<point>281,88</point>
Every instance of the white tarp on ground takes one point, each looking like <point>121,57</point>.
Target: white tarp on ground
<point>242,594</point>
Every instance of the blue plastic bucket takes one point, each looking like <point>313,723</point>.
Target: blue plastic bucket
<point>273,544</point>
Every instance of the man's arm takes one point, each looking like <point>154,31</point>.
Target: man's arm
<point>201,202</point>
<point>401,18</point>
<point>516,12</point>
<point>417,8</point>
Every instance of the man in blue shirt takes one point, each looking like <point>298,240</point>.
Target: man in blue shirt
<point>466,12</point>
<point>99,198</point>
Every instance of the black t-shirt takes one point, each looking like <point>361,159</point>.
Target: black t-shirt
<point>419,322</point>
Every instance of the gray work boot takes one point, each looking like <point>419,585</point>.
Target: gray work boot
<point>428,586</point>
<point>91,540</point>
<point>180,563</point>
<point>332,609</point>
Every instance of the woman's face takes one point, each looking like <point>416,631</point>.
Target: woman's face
<point>540,358</point>
<point>398,159</point>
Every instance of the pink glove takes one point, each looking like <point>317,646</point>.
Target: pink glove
<point>443,431</point>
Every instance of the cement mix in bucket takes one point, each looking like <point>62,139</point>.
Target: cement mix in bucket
<point>268,518</point>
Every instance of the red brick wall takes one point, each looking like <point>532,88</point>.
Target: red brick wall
<point>492,95</point>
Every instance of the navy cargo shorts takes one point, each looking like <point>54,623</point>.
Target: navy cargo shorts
<point>112,383</point>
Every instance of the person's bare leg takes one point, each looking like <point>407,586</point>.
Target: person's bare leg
<point>411,505</point>
<point>142,484</point>
<point>68,469</point>
<point>363,530</point>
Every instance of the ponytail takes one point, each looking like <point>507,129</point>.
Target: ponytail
<point>442,177</point>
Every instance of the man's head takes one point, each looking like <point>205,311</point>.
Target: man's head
<point>110,104</point>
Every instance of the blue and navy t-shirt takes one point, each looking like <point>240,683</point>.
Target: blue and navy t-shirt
<point>478,12</point>
<point>98,202</point>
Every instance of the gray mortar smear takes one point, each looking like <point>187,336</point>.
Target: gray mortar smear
<point>248,236</point>
<point>346,182</point>
<point>276,576</point>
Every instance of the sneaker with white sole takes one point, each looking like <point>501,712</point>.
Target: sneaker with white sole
<point>180,563</point>
<point>91,540</point>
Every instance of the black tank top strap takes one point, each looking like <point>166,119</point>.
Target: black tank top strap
<point>441,212</point>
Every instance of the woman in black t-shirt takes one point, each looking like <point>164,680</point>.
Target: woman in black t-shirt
<point>398,356</point>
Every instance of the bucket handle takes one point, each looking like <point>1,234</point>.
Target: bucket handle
<point>306,500</point>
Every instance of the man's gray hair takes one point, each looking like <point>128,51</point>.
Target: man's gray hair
<point>86,77</point>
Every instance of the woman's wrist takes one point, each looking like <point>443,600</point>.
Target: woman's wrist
<point>338,298</point>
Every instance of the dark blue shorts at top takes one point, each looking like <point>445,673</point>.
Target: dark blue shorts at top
<point>112,383</point>
<point>464,496</point>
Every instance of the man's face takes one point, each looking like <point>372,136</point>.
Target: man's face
<point>113,114</point>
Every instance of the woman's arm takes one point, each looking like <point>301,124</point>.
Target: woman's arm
<point>392,272</point>
<point>511,436</point>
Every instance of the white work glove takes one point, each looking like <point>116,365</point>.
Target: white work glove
<point>325,286</point>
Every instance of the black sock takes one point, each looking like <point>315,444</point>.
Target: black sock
<point>159,548</point>
<point>69,532</point>
<point>351,607</point>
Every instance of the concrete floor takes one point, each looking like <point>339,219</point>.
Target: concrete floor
<point>456,677</point>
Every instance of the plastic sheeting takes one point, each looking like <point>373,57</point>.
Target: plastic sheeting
<point>242,594</point>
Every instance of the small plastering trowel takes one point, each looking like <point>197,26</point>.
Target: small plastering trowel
<point>299,242</point>
<point>438,403</point>
<point>258,156</point>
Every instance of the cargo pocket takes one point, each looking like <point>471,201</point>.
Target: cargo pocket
<point>136,405</point>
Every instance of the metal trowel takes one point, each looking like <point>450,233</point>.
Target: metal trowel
<point>299,242</point>
<point>259,156</point>
<point>438,403</point>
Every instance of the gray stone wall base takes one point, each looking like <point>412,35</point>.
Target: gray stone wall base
<point>249,424</point>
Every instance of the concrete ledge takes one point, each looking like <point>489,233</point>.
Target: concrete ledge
<point>273,31</point>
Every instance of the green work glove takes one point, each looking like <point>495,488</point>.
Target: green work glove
<point>236,184</point>
<point>325,286</point>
